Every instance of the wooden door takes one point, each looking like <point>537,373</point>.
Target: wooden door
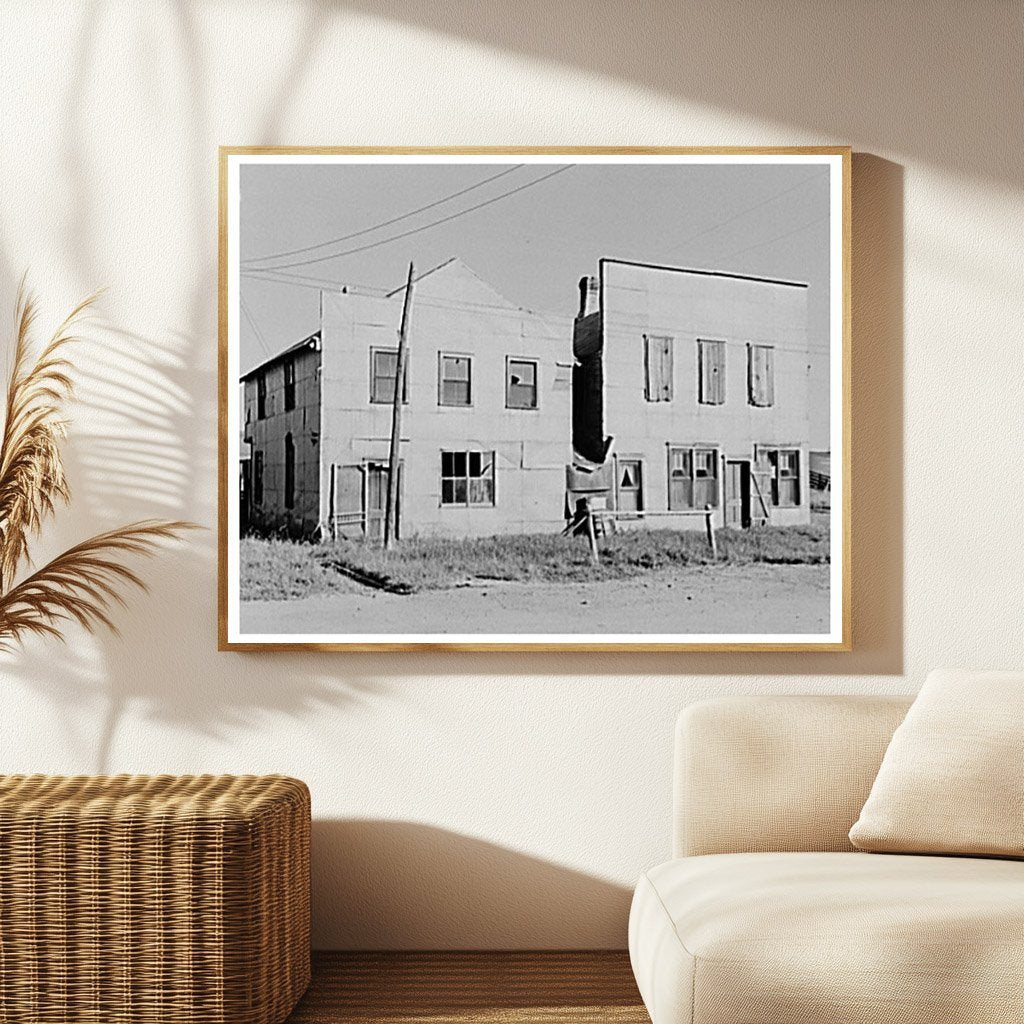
<point>377,500</point>
<point>346,500</point>
<point>737,494</point>
<point>629,489</point>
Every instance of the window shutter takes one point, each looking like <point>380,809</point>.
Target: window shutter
<point>761,375</point>
<point>658,368</point>
<point>712,372</point>
<point>762,475</point>
<point>667,375</point>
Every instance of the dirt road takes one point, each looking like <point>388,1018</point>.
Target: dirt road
<point>718,599</point>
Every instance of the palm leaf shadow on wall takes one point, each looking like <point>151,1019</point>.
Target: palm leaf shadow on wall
<point>83,583</point>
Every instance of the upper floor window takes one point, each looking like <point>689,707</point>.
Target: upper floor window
<point>289,384</point>
<point>711,364</point>
<point>521,383</point>
<point>261,397</point>
<point>454,385</point>
<point>658,368</point>
<point>761,375</point>
<point>383,372</point>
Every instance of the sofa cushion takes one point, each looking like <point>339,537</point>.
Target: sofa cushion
<point>950,780</point>
<point>833,938</point>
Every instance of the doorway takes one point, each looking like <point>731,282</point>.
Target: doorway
<point>737,493</point>
<point>629,495</point>
<point>377,475</point>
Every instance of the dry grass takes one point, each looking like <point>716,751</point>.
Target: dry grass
<point>275,570</point>
<point>282,569</point>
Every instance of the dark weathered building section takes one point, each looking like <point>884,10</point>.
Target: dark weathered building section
<point>282,427</point>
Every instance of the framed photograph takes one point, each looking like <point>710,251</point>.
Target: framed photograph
<point>572,399</point>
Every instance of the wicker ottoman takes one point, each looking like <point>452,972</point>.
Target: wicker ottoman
<point>136,900</point>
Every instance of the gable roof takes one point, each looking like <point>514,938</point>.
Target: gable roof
<point>439,281</point>
<point>312,342</point>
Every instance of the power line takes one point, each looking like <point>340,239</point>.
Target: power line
<point>325,283</point>
<point>425,227</point>
<point>384,223</point>
<point>750,209</point>
<point>617,321</point>
<point>777,238</point>
<point>252,324</point>
<point>482,308</point>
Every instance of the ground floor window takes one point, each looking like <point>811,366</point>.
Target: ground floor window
<point>692,477</point>
<point>467,478</point>
<point>782,467</point>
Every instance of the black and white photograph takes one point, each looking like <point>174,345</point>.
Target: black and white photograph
<point>534,398</point>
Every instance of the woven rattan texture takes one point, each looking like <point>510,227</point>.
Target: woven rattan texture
<point>144,899</point>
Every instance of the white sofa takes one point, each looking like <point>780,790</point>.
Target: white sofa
<point>768,915</point>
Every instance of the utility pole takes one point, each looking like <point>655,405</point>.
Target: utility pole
<point>391,512</point>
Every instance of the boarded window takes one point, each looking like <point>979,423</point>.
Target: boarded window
<point>783,473</point>
<point>521,384</point>
<point>383,368</point>
<point>692,478</point>
<point>454,380</point>
<point>563,377</point>
<point>261,397</point>
<point>711,362</point>
<point>658,369</point>
<point>761,375</point>
<point>289,471</point>
<point>289,384</point>
<point>467,478</point>
<point>257,478</point>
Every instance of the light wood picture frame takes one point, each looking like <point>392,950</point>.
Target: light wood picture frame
<point>511,399</point>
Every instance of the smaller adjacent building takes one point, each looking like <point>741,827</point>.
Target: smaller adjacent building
<point>281,411</point>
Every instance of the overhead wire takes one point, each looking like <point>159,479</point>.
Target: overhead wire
<point>252,323</point>
<point>384,223</point>
<point>424,227</point>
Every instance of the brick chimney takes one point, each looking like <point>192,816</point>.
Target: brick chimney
<point>588,297</point>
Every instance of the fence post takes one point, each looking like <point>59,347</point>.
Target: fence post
<point>708,519</point>
<point>592,535</point>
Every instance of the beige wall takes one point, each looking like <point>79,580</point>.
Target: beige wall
<point>499,800</point>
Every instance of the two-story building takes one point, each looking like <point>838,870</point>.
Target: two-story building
<point>691,391</point>
<point>682,390</point>
<point>485,427</point>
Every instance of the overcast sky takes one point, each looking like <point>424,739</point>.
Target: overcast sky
<point>532,246</point>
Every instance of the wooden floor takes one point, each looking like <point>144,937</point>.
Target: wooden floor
<point>465,988</point>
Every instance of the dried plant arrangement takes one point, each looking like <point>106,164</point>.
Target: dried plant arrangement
<point>83,583</point>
